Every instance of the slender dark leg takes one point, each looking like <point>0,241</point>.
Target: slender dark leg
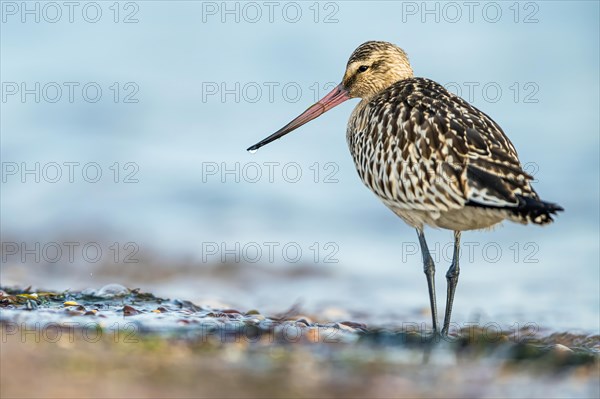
<point>429,269</point>
<point>452,277</point>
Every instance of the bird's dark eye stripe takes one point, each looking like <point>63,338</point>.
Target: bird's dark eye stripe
<point>362,68</point>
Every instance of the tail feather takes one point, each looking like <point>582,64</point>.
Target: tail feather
<point>536,211</point>
<point>528,210</point>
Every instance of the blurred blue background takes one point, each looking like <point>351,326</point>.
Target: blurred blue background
<point>186,88</point>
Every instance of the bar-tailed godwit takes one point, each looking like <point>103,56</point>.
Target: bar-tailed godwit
<point>430,156</point>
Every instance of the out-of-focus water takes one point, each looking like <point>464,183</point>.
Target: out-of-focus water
<point>190,85</point>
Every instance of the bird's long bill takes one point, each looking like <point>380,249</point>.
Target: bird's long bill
<point>337,96</point>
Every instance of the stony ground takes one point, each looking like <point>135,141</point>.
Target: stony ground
<point>114,342</point>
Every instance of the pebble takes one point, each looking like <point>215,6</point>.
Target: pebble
<point>354,325</point>
<point>111,291</point>
<point>130,310</point>
<point>560,348</point>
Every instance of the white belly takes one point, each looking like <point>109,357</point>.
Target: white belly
<point>467,218</point>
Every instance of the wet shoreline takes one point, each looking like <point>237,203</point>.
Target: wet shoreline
<point>303,355</point>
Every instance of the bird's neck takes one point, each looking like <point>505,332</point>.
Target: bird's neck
<point>357,121</point>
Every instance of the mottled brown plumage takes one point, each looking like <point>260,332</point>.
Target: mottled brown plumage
<point>430,156</point>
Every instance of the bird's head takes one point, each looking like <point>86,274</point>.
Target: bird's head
<point>372,67</point>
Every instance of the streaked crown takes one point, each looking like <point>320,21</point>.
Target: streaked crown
<point>373,67</point>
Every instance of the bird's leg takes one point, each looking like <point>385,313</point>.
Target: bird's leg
<point>429,269</point>
<point>452,277</point>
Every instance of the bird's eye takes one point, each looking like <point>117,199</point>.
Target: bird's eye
<point>362,68</point>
